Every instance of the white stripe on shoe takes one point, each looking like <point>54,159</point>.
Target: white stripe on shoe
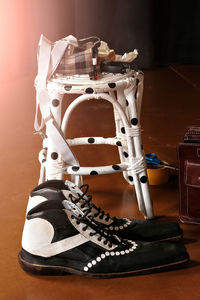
<point>61,246</point>
<point>34,201</point>
<point>38,235</point>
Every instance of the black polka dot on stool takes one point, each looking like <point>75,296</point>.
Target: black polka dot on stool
<point>55,102</point>
<point>116,167</point>
<point>54,155</point>
<point>112,85</point>
<point>91,140</point>
<point>119,143</point>
<point>143,179</point>
<point>75,168</point>
<point>125,154</point>
<point>123,130</point>
<point>93,173</point>
<point>127,103</point>
<point>89,90</point>
<point>134,121</point>
<point>67,87</point>
<point>130,178</point>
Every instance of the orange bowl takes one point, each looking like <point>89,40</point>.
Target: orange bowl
<point>158,176</point>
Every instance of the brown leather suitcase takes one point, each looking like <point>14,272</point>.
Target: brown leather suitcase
<point>189,176</point>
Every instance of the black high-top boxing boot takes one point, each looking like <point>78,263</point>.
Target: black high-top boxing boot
<point>61,238</point>
<point>141,230</point>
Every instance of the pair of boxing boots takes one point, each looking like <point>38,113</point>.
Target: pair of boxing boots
<point>66,233</point>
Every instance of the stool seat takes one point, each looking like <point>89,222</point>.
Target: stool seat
<point>82,84</point>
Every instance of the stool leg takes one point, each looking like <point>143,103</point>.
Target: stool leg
<point>139,92</point>
<point>143,198</point>
<point>121,141</point>
<point>55,158</point>
<point>42,159</point>
<point>54,161</point>
<point>143,180</point>
<point>129,150</point>
<point>120,131</point>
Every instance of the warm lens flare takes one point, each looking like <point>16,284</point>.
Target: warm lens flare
<point>21,24</point>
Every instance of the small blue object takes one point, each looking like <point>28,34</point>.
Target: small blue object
<point>151,159</point>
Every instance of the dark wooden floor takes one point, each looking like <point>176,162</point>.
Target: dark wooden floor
<point>171,102</point>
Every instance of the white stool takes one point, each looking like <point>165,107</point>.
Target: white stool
<point>124,92</point>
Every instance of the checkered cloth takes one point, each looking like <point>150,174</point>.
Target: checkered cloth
<point>79,60</point>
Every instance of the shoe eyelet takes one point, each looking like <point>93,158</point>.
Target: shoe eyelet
<point>99,239</point>
<point>101,217</point>
<point>105,242</point>
<point>72,217</point>
<point>77,222</point>
<point>82,205</point>
<point>91,234</point>
<point>110,245</point>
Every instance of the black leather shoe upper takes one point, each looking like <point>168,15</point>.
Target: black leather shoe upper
<point>141,230</point>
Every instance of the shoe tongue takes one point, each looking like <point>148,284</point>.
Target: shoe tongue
<point>86,220</point>
<point>75,192</point>
<point>75,196</point>
<point>74,189</point>
<point>69,205</point>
